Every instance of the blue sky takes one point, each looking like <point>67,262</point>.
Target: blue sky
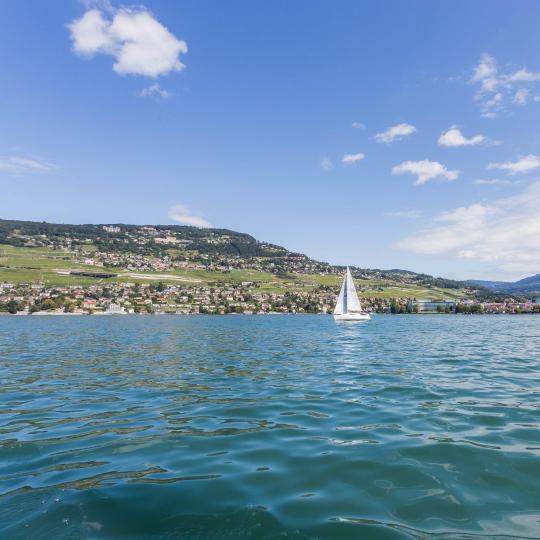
<point>387,134</point>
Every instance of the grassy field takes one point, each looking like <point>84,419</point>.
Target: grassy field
<point>41,265</point>
<point>38,265</point>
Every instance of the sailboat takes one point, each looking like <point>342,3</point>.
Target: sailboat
<point>348,306</point>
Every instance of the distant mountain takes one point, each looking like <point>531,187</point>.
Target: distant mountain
<point>529,284</point>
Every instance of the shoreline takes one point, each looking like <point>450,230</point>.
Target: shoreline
<point>52,314</point>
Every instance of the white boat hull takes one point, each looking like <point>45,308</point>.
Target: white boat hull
<point>352,317</point>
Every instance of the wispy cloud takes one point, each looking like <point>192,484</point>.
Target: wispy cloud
<point>395,133</point>
<point>139,44</point>
<point>103,5</point>
<point>326,164</point>
<point>425,170</point>
<point>492,106</point>
<point>504,234</point>
<point>453,137</point>
<point>18,165</point>
<point>183,214</point>
<point>407,214</point>
<point>358,125</point>
<point>155,90</point>
<point>524,75</point>
<point>492,182</point>
<point>485,74</point>
<point>496,87</point>
<point>523,165</point>
<point>353,158</point>
<point>521,97</point>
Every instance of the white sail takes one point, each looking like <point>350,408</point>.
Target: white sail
<point>353,303</point>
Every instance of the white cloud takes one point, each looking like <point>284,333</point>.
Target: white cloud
<point>139,43</point>
<point>454,137</point>
<point>395,133</point>
<point>492,182</point>
<point>485,74</point>
<point>505,234</point>
<point>326,164</point>
<point>492,106</point>
<point>523,165</point>
<point>425,170</point>
<point>495,87</point>
<point>523,75</point>
<point>353,158</point>
<point>18,166</point>
<point>358,125</point>
<point>521,97</point>
<point>155,90</point>
<point>182,214</point>
<point>408,214</point>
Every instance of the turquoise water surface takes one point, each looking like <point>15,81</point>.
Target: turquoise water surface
<point>268,427</point>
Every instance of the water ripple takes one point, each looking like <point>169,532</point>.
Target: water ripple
<point>260,427</point>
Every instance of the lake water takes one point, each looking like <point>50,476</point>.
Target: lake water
<point>269,427</point>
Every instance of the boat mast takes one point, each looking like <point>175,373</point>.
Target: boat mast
<point>345,309</point>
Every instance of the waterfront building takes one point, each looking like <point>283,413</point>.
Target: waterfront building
<point>114,309</point>
<point>432,305</point>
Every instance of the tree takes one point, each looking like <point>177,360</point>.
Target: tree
<point>12,306</point>
<point>48,304</point>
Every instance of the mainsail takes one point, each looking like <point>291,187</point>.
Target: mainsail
<point>348,298</point>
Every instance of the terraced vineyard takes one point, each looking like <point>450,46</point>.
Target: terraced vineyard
<point>51,266</point>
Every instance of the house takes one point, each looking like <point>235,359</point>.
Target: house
<point>166,240</point>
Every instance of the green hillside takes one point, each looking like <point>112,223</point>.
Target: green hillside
<point>50,267</point>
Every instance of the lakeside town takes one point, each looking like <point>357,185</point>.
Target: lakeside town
<point>245,298</point>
